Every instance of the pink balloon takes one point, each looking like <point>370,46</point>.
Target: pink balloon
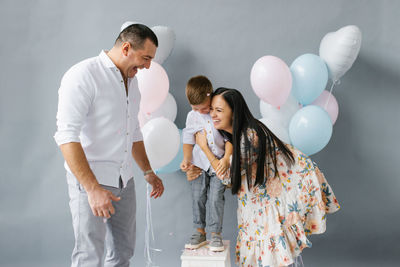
<point>153,86</point>
<point>328,102</point>
<point>271,80</point>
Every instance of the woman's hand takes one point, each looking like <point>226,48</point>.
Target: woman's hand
<point>223,165</point>
<point>201,139</point>
<point>193,172</point>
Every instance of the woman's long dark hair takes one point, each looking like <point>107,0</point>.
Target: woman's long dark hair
<point>242,120</point>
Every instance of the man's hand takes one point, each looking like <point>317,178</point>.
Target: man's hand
<point>193,173</point>
<point>156,183</point>
<point>185,165</point>
<point>100,202</point>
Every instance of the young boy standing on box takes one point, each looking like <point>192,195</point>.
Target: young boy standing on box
<point>206,187</point>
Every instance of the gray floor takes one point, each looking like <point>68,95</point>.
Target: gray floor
<point>354,263</point>
<point>307,263</point>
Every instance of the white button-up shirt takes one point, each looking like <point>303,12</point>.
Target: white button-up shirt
<point>94,110</point>
<point>196,122</point>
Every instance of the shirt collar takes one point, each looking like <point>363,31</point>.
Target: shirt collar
<point>106,60</point>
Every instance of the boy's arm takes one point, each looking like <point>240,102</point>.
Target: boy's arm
<point>187,157</point>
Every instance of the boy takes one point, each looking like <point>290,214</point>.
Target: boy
<point>207,186</point>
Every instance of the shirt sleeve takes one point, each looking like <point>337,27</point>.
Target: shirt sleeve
<point>193,125</point>
<point>74,100</point>
<point>136,132</point>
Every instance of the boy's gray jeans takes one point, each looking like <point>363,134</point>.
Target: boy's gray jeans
<point>92,234</point>
<point>208,188</point>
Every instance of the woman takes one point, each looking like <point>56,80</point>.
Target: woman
<point>282,195</point>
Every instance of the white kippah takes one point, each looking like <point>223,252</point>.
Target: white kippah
<point>128,23</point>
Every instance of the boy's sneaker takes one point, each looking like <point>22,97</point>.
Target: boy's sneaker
<point>196,240</point>
<point>216,243</point>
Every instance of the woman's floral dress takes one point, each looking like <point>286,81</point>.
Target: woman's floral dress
<point>274,219</point>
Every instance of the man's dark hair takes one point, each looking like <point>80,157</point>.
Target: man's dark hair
<point>136,35</point>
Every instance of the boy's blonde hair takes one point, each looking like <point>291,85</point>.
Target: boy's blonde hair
<point>198,88</point>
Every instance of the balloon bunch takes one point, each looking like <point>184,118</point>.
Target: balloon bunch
<point>293,101</point>
<point>156,116</point>
<point>158,107</point>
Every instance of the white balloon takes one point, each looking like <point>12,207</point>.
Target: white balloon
<point>168,109</point>
<point>127,24</point>
<point>283,114</point>
<point>161,139</point>
<point>340,49</point>
<point>166,41</point>
<point>278,129</point>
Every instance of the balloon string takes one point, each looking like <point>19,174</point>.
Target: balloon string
<point>330,93</point>
<point>298,262</point>
<point>149,231</point>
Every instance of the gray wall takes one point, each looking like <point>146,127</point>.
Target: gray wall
<point>40,40</point>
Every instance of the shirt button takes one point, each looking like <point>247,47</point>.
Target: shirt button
<point>127,133</point>
<point>126,151</point>
<point>122,81</point>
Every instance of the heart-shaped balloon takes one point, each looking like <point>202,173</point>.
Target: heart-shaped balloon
<point>166,40</point>
<point>340,49</point>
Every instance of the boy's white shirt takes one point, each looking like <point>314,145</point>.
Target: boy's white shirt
<point>196,122</point>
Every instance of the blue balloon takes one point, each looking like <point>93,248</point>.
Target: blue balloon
<point>174,165</point>
<point>309,77</point>
<point>310,129</point>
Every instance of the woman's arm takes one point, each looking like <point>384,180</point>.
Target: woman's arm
<point>225,162</point>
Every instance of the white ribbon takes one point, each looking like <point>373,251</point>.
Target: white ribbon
<point>149,230</point>
<point>330,93</point>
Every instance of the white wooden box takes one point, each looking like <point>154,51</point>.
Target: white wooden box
<point>203,257</point>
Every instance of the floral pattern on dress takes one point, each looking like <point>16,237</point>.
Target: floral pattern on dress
<point>274,219</point>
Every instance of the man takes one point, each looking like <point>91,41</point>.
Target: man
<point>99,136</point>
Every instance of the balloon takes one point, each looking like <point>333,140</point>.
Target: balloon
<point>166,39</point>
<point>340,49</point>
<point>328,102</point>
<point>310,129</point>
<point>174,165</point>
<point>310,76</point>
<point>283,114</point>
<point>271,80</point>
<point>277,128</point>
<point>127,24</point>
<point>153,85</point>
<point>167,110</point>
<point>161,140</point>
